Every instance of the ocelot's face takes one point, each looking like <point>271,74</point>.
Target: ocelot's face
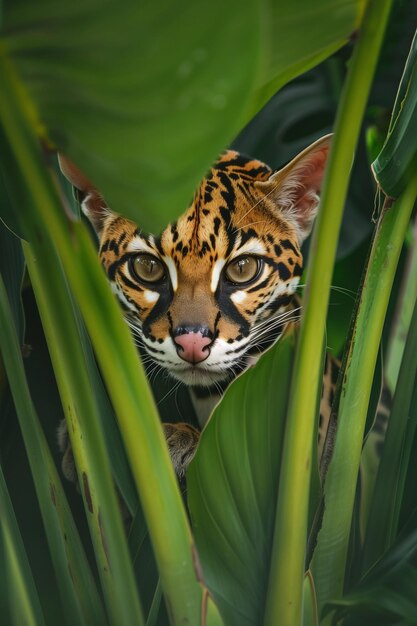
<point>214,289</point>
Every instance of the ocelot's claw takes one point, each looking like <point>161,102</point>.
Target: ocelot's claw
<point>182,440</point>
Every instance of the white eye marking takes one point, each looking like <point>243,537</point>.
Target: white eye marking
<point>150,296</point>
<point>137,244</point>
<point>238,296</point>
<point>172,271</point>
<point>215,274</point>
<point>250,248</point>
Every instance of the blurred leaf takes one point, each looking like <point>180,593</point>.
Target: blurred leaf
<point>144,96</point>
<point>232,485</point>
<point>397,161</point>
<point>19,601</point>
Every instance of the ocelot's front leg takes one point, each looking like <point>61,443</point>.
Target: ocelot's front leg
<point>182,440</point>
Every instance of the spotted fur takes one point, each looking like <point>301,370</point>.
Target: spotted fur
<point>241,209</point>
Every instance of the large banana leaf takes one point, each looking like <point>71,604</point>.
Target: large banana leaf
<point>144,95</point>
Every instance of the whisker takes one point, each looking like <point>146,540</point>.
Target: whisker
<point>257,203</point>
<point>247,225</point>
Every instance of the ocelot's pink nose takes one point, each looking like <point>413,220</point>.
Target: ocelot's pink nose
<point>193,346</point>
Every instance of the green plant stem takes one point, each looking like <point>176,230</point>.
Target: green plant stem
<point>384,513</point>
<point>83,422</point>
<point>284,599</point>
<point>16,573</point>
<point>75,583</point>
<point>118,359</point>
<point>403,313</point>
<point>329,562</point>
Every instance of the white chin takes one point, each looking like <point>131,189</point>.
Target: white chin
<point>197,376</point>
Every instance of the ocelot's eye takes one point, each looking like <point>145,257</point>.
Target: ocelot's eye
<point>243,269</point>
<point>147,268</point>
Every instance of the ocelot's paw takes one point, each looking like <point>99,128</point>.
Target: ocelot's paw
<point>182,440</point>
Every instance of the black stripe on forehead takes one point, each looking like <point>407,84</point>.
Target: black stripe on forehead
<point>238,164</point>
<point>288,245</point>
<point>228,193</point>
<point>247,235</point>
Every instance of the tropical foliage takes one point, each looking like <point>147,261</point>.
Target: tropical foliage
<point>142,96</point>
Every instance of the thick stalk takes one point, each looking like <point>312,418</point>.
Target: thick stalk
<point>403,312</point>
<point>78,593</point>
<point>83,421</point>
<point>382,527</point>
<point>118,359</point>
<point>329,562</point>
<point>284,599</point>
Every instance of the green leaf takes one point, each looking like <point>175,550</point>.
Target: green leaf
<point>12,269</point>
<point>284,600</point>
<point>50,229</point>
<point>232,483</point>
<point>143,96</point>
<point>19,599</point>
<point>389,489</point>
<point>330,556</point>
<point>310,617</point>
<point>78,593</point>
<point>87,441</point>
<point>386,594</point>
<point>397,161</point>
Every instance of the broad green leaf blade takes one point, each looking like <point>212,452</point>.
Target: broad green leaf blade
<point>78,592</point>
<point>397,161</point>
<point>305,38</point>
<point>19,599</point>
<point>143,96</point>
<point>132,92</point>
<point>232,484</point>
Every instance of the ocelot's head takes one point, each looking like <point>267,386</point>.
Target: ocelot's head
<point>214,289</point>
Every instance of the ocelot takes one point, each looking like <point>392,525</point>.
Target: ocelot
<point>217,287</point>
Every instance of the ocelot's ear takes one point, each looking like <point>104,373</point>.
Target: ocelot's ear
<point>92,202</point>
<point>295,189</point>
